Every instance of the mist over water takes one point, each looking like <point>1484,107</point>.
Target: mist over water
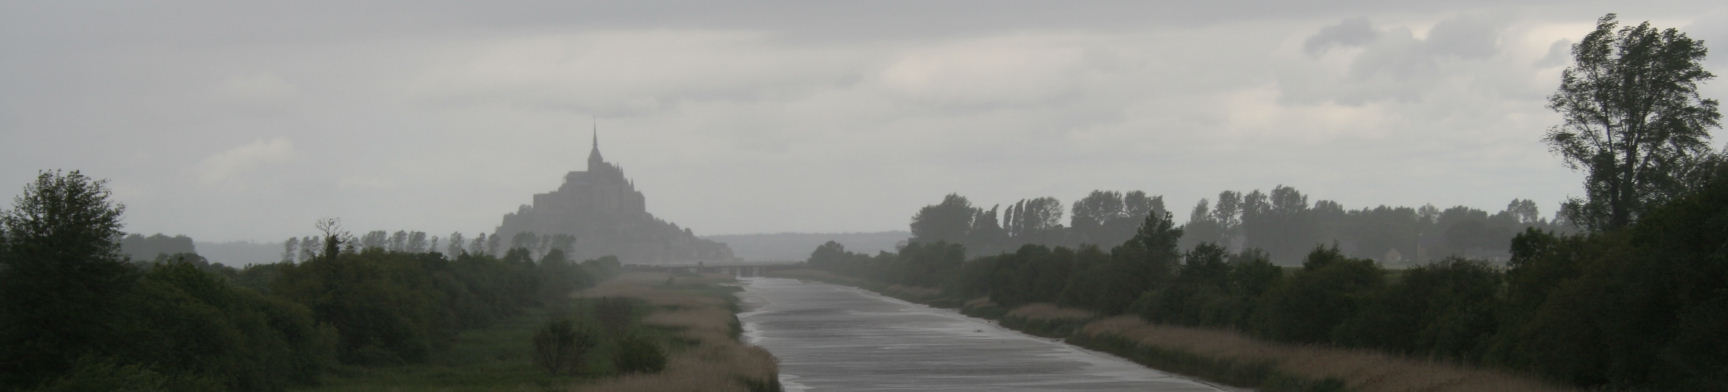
<point>830,337</point>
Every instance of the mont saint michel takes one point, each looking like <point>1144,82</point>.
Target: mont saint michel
<point>608,217</point>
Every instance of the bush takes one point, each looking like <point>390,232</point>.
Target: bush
<point>639,354</point>
<point>559,346</point>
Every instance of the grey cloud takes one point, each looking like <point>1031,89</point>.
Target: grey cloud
<point>1351,32</point>
<point>1394,64</point>
<point>747,117</point>
<point>1468,37</point>
<point>1559,53</point>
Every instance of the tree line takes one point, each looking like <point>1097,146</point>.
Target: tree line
<point>75,314</point>
<point>410,241</point>
<point>1281,222</point>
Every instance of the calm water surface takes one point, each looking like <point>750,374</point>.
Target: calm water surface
<point>836,338</point>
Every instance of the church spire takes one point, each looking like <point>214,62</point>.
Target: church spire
<point>594,160</point>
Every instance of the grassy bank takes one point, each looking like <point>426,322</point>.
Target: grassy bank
<point>699,313</point>
<point>691,316</point>
<point>1221,356</point>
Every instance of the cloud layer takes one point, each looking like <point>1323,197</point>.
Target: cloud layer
<point>227,121</point>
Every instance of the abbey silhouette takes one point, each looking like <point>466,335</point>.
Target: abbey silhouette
<point>608,216</point>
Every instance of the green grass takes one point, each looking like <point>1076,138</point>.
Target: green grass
<point>497,357</point>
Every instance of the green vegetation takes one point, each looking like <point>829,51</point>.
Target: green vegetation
<point>75,315</point>
<point>494,357</point>
<point>1281,223</point>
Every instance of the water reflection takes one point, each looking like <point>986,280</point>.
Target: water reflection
<point>835,338</point>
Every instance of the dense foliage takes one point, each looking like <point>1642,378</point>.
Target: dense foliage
<point>75,315</point>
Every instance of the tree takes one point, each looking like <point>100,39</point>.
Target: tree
<point>1092,212</point>
<point>948,221</point>
<point>376,239</point>
<point>524,240</point>
<point>1632,118</point>
<point>288,249</point>
<point>334,237</point>
<point>456,242</point>
<point>1201,227</point>
<point>1037,220</point>
<point>61,275</point>
<point>1524,211</point>
<point>827,254</point>
<point>399,241</point>
<point>416,242</point>
<point>1228,215</point>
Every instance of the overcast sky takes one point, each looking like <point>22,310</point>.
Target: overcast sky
<point>229,121</point>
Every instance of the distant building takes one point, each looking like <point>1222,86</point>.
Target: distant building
<point>608,217</point>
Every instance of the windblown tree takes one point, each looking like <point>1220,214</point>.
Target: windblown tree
<point>1633,119</point>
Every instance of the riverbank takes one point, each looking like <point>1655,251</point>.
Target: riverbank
<point>697,314</point>
<point>701,312</point>
<point>1221,356</point>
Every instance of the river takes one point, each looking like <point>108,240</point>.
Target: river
<point>837,338</point>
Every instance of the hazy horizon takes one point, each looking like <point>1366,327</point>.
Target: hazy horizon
<point>244,122</point>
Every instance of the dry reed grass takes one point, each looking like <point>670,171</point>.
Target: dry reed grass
<point>1361,370</point>
<point>979,303</point>
<point>1049,311</point>
<point>717,362</point>
<point>904,291</point>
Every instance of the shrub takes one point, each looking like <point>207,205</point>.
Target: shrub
<point>638,354</point>
<point>559,346</point>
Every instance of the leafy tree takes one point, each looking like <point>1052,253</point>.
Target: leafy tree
<point>1202,227</point>
<point>398,241</point>
<point>1228,214</point>
<point>948,221</point>
<point>987,235</point>
<point>456,243</point>
<point>1632,118</point>
<point>61,276</point>
<point>828,253</point>
<point>525,241</point>
<point>1138,205</point>
<point>288,249</point>
<point>376,239</point>
<point>1524,211</point>
<point>416,242</point>
<point>309,247</point>
<point>1095,210</point>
